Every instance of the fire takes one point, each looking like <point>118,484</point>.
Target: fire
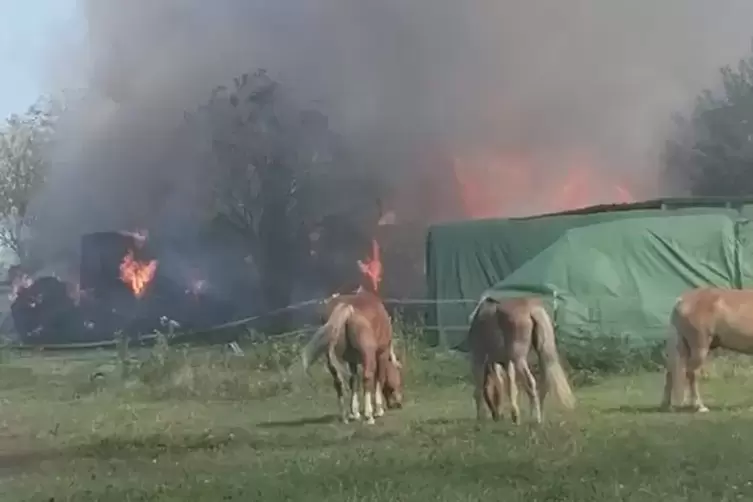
<point>518,185</point>
<point>137,275</point>
<point>372,267</point>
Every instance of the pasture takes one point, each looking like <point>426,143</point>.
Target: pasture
<point>205,425</point>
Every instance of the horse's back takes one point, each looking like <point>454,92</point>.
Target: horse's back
<point>501,324</point>
<point>371,310</point>
<point>716,317</point>
<point>485,335</point>
<point>516,313</point>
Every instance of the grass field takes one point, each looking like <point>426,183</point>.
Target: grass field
<point>201,425</point>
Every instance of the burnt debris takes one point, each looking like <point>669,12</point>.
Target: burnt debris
<point>184,288</point>
<point>44,310</point>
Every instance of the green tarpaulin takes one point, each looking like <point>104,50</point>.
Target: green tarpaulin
<point>604,273</point>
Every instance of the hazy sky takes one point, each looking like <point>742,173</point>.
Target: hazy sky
<point>28,28</point>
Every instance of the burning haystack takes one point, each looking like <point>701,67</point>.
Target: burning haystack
<point>122,286</point>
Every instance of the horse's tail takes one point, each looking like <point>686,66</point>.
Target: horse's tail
<point>324,338</point>
<point>478,306</point>
<point>554,376</point>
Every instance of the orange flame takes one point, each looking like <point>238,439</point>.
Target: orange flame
<point>137,275</point>
<point>372,267</point>
<point>517,185</point>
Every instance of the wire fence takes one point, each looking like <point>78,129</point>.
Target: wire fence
<point>247,324</point>
<point>579,320</point>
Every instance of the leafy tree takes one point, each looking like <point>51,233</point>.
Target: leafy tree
<point>277,173</point>
<point>711,152</point>
<point>24,142</point>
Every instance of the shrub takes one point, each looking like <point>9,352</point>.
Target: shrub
<point>218,373</point>
<point>609,355</point>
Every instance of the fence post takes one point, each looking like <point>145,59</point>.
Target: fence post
<point>738,252</point>
<point>121,338</point>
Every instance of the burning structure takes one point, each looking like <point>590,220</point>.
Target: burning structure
<point>43,310</point>
<point>122,287</point>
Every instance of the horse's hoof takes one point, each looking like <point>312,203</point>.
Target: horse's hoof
<point>379,413</point>
<point>354,416</point>
<point>370,421</point>
<point>701,409</point>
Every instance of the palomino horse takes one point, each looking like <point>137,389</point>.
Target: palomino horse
<point>704,319</point>
<point>358,331</point>
<point>500,337</point>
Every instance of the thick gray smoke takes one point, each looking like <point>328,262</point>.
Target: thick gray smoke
<point>395,75</point>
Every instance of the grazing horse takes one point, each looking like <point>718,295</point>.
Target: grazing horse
<point>500,337</point>
<point>704,319</point>
<point>358,331</point>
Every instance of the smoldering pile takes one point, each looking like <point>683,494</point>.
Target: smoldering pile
<point>121,287</point>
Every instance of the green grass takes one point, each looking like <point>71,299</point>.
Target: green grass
<point>202,425</point>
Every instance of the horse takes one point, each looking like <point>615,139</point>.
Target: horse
<point>358,330</point>
<point>704,319</point>
<point>500,337</point>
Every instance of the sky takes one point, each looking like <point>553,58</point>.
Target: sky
<point>29,29</point>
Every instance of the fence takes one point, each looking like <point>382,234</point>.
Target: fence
<point>229,331</point>
<point>578,322</point>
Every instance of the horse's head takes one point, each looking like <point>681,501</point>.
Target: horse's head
<point>392,382</point>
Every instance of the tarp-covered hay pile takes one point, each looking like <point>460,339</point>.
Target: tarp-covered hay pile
<point>605,271</point>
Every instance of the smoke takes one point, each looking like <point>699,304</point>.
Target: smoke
<point>394,76</point>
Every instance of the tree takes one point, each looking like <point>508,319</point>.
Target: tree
<point>276,174</point>
<point>711,152</point>
<point>24,143</point>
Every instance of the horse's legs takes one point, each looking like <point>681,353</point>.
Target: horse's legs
<point>378,401</point>
<point>677,357</point>
<point>479,383</point>
<point>666,402</point>
<point>529,383</point>
<point>543,384</point>
<point>340,389</point>
<point>695,362</point>
<point>369,387</point>
<point>355,411</point>
<point>493,395</point>
<point>512,391</point>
